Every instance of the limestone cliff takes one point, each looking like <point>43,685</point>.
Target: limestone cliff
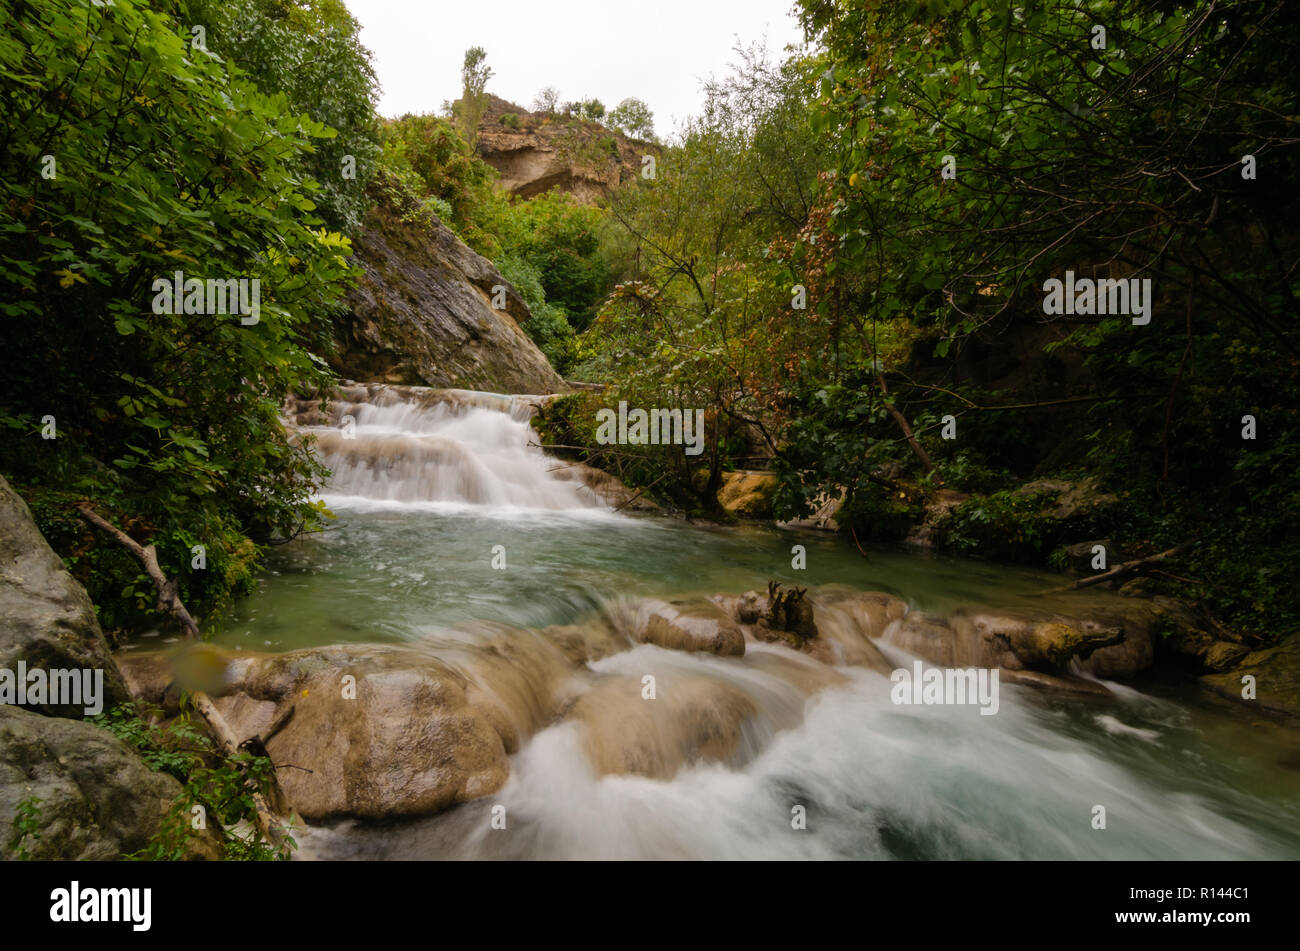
<point>422,313</point>
<point>535,152</point>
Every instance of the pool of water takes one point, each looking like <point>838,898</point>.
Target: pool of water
<point>1180,775</point>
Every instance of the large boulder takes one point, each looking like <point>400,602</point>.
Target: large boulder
<point>747,494</point>
<point>46,618</point>
<point>422,313</point>
<point>93,797</point>
<point>1276,673</point>
<point>377,731</point>
<point>608,487</point>
<point>1025,640</point>
<point>691,719</point>
<point>833,624</point>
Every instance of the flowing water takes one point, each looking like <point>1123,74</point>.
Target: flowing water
<point>427,498</point>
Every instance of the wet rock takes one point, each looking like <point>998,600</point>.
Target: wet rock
<point>845,621</point>
<point>681,625</point>
<point>608,487</point>
<point>1277,678</point>
<point>1034,678</point>
<point>691,719</point>
<point>924,635</point>
<point>848,623</point>
<point>415,740</point>
<point>1025,641</point>
<point>1186,638</point>
<point>46,618</point>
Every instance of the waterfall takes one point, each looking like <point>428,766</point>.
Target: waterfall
<point>439,448</point>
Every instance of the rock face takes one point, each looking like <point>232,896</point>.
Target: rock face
<point>95,798</point>
<point>1277,678</point>
<point>535,153</point>
<point>422,314</point>
<point>46,617</point>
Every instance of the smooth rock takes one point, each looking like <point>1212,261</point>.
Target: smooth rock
<point>46,617</point>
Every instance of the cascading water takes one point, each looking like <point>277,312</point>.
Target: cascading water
<point>716,765</point>
<point>448,455</point>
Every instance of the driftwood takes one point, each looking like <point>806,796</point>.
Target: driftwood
<point>787,610</point>
<point>1120,571</point>
<point>169,602</point>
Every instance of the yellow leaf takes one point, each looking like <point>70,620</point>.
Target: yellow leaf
<point>68,277</point>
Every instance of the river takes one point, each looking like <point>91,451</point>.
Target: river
<point>448,518</point>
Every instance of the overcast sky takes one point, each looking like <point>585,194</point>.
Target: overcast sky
<point>656,50</point>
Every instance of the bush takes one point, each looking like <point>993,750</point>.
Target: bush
<point>222,787</point>
<point>170,418</point>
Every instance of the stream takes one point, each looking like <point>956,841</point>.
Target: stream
<point>450,522</point>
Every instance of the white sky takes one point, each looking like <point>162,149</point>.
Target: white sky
<point>656,50</point>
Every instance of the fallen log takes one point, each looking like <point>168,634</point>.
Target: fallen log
<point>169,602</point>
<point>1120,571</point>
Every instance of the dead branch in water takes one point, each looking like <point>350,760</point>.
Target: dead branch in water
<point>1120,571</point>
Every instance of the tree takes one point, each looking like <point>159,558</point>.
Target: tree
<point>634,118</point>
<point>474,76</point>
<point>547,101</point>
<point>126,158</point>
<point>981,150</point>
<point>311,52</point>
<point>703,321</point>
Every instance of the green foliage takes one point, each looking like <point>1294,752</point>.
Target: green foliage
<point>26,828</point>
<point>561,239</point>
<point>1113,162</point>
<point>633,118</point>
<point>548,327</point>
<point>1004,525</point>
<point>474,76</point>
<point>223,786</point>
<point>426,157</point>
<point>700,321</point>
<point>309,51</point>
<point>165,159</point>
<point>571,421</point>
<point>510,120</point>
